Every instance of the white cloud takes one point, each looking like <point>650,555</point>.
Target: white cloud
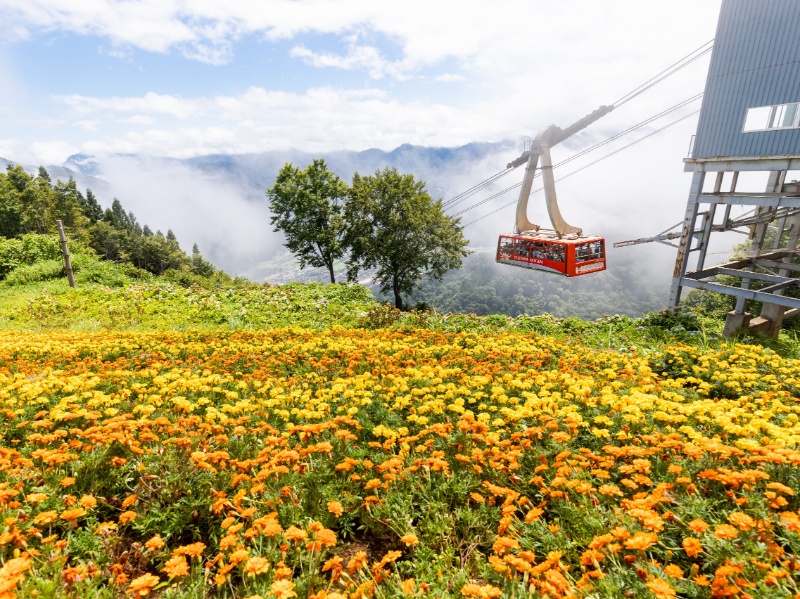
<point>53,152</point>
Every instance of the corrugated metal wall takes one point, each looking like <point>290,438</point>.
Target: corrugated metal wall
<point>755,62</point>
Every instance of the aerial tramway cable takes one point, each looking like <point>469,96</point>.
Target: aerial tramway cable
<point>625,147</point>
<point>647,121</point>
<point>669,71</point>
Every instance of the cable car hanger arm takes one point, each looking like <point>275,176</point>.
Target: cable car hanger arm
<point>540,146</point>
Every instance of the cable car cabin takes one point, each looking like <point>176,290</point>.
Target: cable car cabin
<point>570,257</point>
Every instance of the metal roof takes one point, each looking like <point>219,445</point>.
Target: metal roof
<point>755,62</point>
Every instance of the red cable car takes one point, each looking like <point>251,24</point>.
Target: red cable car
<point>571,257</point>
<point>564,250</point>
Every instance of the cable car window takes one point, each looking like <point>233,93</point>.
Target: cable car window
<point>507,245</point>
<point>522,248</point>
<point>595,250</point>
<point>538,250</point>
<point>555,253</point>
<point>582,252</point>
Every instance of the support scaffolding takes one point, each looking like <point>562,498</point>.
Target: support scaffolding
<point>766,274</point>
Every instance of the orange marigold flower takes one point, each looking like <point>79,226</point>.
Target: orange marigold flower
<point>283,589</point>
<point>128,516</point>
<point>503,545</point>
<point>701,580</point>
<point>67,481</point>
<point>72,514</point>
<point>692,547</point>
<point>726,531</point>
<point>141,587</point>
<point>106,528</point>
<point>373,483</point>
<point>533,514</point>
<point>407,586</point>
<point>358,561</point>
<point>36,497</point>
<point>641,540</point>
<point>129,501</point>
<point>409,539</point>
<point>193,550</point>
<point>661,588</point>
<point>781,488</point>
<point>741,520</point>
<point>256,565</point>
<point>88,501</point>
<point>485,591</point>
<point>673,571</point>
<point>335,508</point>
<point>176,567</point>
<point>155,543</point>
<point>295,534</point>
<point>45,518</point>
<point>698,526</point>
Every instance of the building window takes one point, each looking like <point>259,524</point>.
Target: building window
<point>767,118</point>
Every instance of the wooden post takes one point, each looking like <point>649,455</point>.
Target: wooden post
<point>65,253</point>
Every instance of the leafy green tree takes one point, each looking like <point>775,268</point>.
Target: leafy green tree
<point>395,227</point>
<point>306,206</point>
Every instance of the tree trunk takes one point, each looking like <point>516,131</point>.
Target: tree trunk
<point>330,271</point>
<point>398,301</point>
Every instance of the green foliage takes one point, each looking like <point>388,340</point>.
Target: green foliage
<point>31,248</point>
<point>306,206</point>
<point>396,228</point>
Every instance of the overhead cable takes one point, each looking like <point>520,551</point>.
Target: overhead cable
<point>675,122</point>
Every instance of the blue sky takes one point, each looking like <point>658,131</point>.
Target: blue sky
<point>181,79</point>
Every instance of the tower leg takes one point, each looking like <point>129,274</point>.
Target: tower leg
<point>685,244</point>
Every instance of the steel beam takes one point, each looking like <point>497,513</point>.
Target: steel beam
<point>685,244</point>
<point>747,294</point>
<point>714,165</point>
<point>772,200</point>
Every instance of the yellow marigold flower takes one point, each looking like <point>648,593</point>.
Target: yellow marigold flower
<point>36,497</point>
<point>282,589</point>
<point>176,567</point>
<point>408,586</point>
<point>67,481</point>
<point>155,543</point>
<point>256,565</point>
<point>409,539</point>
<point>72,514</point>
<point>141,587</point>
<point>88,501</point>
<point>335,508</point>
<point>126,517</point>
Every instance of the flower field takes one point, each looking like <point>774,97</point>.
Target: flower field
<point>388,463</point>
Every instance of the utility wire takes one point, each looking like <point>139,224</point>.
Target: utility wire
<point>675,122</point>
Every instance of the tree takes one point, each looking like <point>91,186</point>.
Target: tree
<point>396,227</point>
<point>306,206</point>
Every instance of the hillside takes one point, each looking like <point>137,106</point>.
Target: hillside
<point>243,440</point>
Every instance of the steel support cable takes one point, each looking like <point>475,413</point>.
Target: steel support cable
<point>669,71</point>
<point>475,188</point>
<point>591,149</point>
<point>625,147</point>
